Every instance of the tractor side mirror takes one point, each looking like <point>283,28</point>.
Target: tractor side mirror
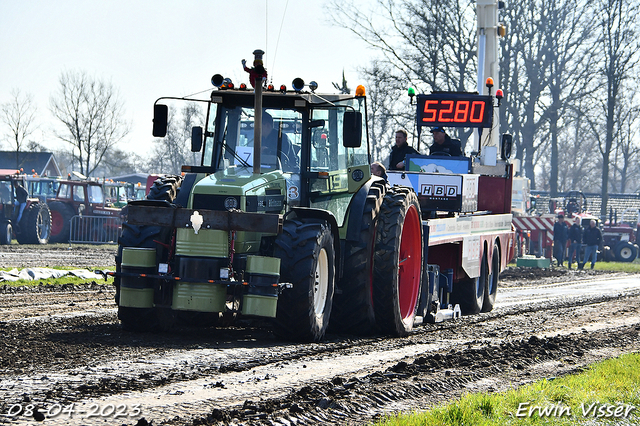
<point>160,114</point>
<point>506,145</point>
<point>196,139</point>
<point>352,129</point>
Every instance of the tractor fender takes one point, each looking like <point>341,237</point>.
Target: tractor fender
<point>356,209</point>
<point>306,212</point>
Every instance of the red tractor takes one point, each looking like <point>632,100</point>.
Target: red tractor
<point>81,198</point>
<point>28,219</point>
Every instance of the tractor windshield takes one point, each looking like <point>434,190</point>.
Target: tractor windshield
<point>232,143</point>
<point>96,195</point>
<point>288,134</point>
<point>6,192</point>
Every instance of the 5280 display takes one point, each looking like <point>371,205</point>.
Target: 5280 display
<point>455,110</point>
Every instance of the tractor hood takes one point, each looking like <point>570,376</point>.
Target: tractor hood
<point>237,188</point>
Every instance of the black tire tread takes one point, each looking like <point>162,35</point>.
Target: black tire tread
<point>489,293</point>
<point>353,310</point>
<point>396,202</point>
<point>296,247</point>
<point>145,319</point>
<point>30,232</point>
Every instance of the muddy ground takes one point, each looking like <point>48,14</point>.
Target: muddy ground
<point>64,346</point>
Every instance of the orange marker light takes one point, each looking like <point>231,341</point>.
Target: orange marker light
<point>360,91</point>
<point>489,82</point>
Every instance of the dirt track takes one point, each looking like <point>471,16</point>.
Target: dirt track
<point>65,346</point>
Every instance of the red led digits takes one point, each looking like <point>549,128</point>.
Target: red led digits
<point>462,112</point>
<point>430,113</point>
<point>445,114</point>
<point>477,112</point>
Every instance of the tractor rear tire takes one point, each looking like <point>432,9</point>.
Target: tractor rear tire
<point>61,214</point>
<point>6,233</point>
<point>398,262</point>
<point>625,251</point>
<point>35,225</point>
<point>353,308</point>
<point>307,260</point>
<point>165,188</point>
<point>146,319</point>
<point>491,287</point>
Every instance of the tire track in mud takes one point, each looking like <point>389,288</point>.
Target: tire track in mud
<point>232,369</point>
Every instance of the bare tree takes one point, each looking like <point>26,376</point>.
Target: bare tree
<point>426,44</point>
<point>387,113</point>
<point>617,21</point>
<point>19,115</point>
<point>92,116</point>
<point>570,44</point>
<point>525,63</point>
<point>626,151</point>
<point>119,162</point>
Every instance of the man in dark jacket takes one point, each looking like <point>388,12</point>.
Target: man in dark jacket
<point>575,239</point>
<point>444,144</point>
<point>560,235</point>
<point>400,150</point>
<point>21,201</point>
<point>592,238</point>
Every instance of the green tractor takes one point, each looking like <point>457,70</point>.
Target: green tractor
<point>282,220</point>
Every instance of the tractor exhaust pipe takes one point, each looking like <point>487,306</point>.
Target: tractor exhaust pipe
<point>257,122</point>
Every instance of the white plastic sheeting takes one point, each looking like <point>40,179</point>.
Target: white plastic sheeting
<point>45,273</point>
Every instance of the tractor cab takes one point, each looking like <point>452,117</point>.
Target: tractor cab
<point>313,150</point>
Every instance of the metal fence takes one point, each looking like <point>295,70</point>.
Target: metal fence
<point>94,229</point>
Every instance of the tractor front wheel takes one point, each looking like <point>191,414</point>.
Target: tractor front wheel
<point>625,251</point>
<point>307,260</point>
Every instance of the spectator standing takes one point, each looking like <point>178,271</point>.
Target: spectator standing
<point>575,240</point>
<point>560,236</point>
<point>592,238</point>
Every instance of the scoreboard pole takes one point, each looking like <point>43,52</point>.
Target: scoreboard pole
<point>487,12</point>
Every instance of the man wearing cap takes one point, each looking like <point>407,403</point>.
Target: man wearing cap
<point>444,144</point>
<point>400,150</point>
<point>560,236</point>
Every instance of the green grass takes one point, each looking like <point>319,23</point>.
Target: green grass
<point>629,267</point>
<point>570,400</point>
<point>66,280</point>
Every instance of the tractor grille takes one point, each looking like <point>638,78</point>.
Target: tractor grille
<point>215,202</point>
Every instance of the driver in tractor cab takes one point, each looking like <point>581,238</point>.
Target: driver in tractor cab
<point>277,143</point>
<point>443,144</point>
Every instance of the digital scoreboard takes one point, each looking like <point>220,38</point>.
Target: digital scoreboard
<point>455,110</point>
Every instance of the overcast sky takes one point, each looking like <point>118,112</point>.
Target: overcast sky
<point>153,48</point>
